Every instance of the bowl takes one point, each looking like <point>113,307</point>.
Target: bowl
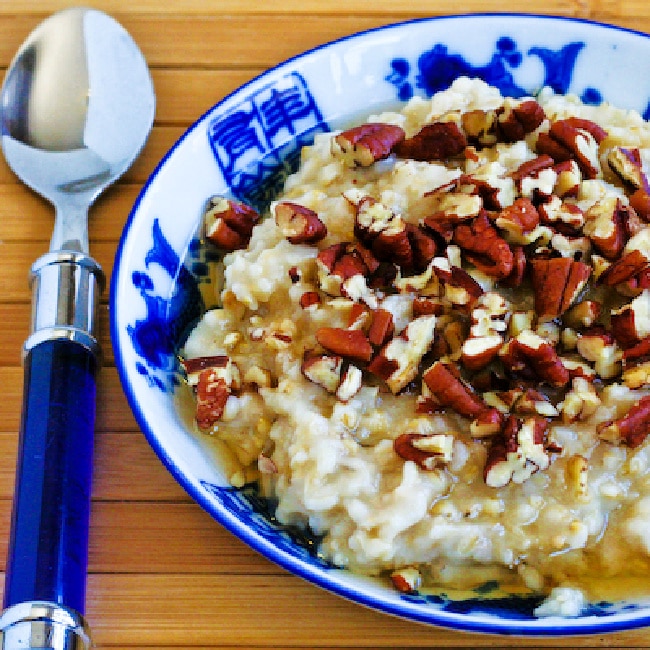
<point>244,147</point>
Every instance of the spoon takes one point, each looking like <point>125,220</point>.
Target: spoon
<point>77,106</point>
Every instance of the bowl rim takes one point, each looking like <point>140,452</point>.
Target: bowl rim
<point>464,622</point>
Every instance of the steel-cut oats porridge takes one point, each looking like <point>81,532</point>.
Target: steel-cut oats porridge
<point>435,351</point>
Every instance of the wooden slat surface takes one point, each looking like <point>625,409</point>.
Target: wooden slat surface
<point>163,574</point>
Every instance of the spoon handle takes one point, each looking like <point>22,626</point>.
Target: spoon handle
<point>45,582</point>
<point>48,547</point>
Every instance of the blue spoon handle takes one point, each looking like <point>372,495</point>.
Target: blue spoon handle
<point>45,581</point>
<point>48,548</point>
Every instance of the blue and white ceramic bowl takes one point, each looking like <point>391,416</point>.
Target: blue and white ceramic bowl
<point>243,146</point>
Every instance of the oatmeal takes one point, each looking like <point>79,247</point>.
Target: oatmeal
<point>434,352</point>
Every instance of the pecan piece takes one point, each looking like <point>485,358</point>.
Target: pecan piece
<point>627,165</point>
<point>450,391</point>
<point>632,429</point>
<point>574,138</point>
<point>299,224</point>
<point>604,225</point>
<point>480,127</point>
<point>427,451</point>
<point>634,261</point>
<point>436,141</point>
<point>365,144</point>
<point>557,282</point>
<point>626,267</point>
<point>229,224</point>
<point>600,348</point>
<point>381,327</point>
<point>324,370</point>
<point>528,351</point>
<point>640,202</point>
<point>484,248</point>
<point>216,381</point>
<point>407,580</point>
<point>194,367</point>
<point>397,362</point>
<point>383,232</point>
<point>631,323</point>
<point>515,121</point>
<point>564,217</point>
<point>518,220</point>
<point>519,452</point>
<point>352,344</point>
<point>211,396</point>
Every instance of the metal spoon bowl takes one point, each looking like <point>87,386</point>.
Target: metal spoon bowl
<point>77,107</point>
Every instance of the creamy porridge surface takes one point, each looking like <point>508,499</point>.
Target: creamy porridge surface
<point>434,352</point>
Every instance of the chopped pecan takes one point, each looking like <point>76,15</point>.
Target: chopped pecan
<point>229,224</point>
<point>484,248</point>
<point>563,216</point>
<point>449,208</point>
<point>487,423</point>
<point>631,323</point>
<point>528,402</point>
<point>406,580</point>
<point>480,126</point>
<point>638,351</point>
<point>568,179</point>
<point>632,429</point>
<point>636,375</point>
<point>397,362</point>
<point>381,327</point>
<point>427,451</point>
<point>436,141</point>
<point>518,220</point>
<point>627,165</point>
<point>518,452</point>
<point>580,402</point>
<point>218,377</point>
<point>633,262</point>
<point>532,168</point>
<point>194,367</point>
<point>519,267</point>
<point>383,232</point>
<point>211,396</point>
<point>623,269</point>
<point>352,344</point>
<point>365,144</point>
<point>574,138</point>
<point>324,370</point>
<point>516,120</point>
<point>584,314</point>
<point>299,224</point>
<point>423,247</point>
<point>309,299</point>
<point>479,351</point>
<point>640,202</point>
<point>557,282</point>
<point>528,351</point>
<point>488,182</point>
<point>351,383</point>
<point>450,391</point>
<point>601,349</point>
<point>338,266</point>
<point>461,289</point>
<point>604,225</point>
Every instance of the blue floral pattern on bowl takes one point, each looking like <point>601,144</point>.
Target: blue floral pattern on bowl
<point>245,147</point>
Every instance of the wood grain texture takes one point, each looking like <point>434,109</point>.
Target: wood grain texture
<point>163,573</point>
